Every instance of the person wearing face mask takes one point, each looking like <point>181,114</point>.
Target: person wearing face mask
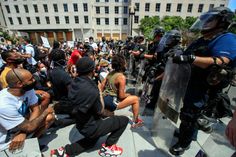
<point>60,80</point>
<point>93,44</point>
<point>41,78</point>
<point>76,54</point>
<point>103,47</point>
<point>12,60</point>
<point>20,113</point>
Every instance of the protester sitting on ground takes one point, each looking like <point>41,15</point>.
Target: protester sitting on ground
<point>60,81</point>
<point>76,54</point>
<point>14,60</point>
<point>113,87</point>
<point>88,103</point>
<point>93,44</point>
<point>20,113</point>
<point>41,78</point>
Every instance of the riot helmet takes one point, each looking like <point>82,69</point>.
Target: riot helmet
<point>158,32</point>
<point>129,38</point>
<point>169,40</point>
<point>140,39</point>
<point>216,18</point>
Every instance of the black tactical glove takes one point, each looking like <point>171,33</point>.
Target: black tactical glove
<point>184,59</point>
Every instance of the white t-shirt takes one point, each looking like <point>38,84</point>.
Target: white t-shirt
<point>12,112</point>
<point>30,50</point>
<point>94,45</point>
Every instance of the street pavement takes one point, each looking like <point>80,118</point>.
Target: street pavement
<point>149,140</point>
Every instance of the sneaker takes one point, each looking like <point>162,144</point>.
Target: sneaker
<point>137,124</point>
<point>60,152</point>
<point>110,151</point>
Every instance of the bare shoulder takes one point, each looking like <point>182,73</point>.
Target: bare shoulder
<point>121,76</point>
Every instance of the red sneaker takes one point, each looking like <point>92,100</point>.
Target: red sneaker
<point>60,152</point>
<point>110,151</point>
<point>138,123</point>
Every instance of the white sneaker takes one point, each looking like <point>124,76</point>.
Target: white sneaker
<point>110,151</point>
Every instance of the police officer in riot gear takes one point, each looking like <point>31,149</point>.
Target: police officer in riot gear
<point>152,47</point>
<point>216,46</point>
<point>137,52</point>
<point>170,43</point>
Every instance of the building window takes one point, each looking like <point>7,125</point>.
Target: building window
<point>106,21</point>
<point>10,20</point>
<point>55,7</point>
<point>45,6</point>
<point>65,6</point>
<point>97,0</point>
<point>125,10</point>
<point>19,20</point>
<point>98,10</point>
<point>86,20</point>
<point>146,16</point>
<point>106,0</point>
<point>126,1</point>
<point>158,7</point>
<point>125,21</point>
<point>28,20</point>
<point>136,6</point>
<point>211,6</point>
<point>17,8</point>
<point>116,21</point>
<point>116,10</point>
<point>98,21</point>
<point>47,19</point>
<point>85,7</point>
<point>222,5</point>
<point>190,8</point>
<point>8,8</point>
<point>35,8</point>
<point>116,0</point>
<point>179,7</point>
<point>75,5</point>
<point>76,19</point>
<point>37,20</point>
<point>26,8</point>
<point>57,19</point>
<point>67,19</point>
<point>200,8</point>
<point>106,10</point>
<point>147,6</point>
<point>168,7</point>
<point>136,19</point>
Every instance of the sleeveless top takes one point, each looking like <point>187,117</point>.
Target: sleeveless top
<point>110,88</point>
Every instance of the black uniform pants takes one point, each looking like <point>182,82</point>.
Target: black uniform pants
<point>114,125</point>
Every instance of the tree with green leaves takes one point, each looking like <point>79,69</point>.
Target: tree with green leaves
<point>148,24</point>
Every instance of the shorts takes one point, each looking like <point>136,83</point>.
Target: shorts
<point>110,102</point>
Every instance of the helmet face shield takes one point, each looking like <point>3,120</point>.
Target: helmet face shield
<point>170,38</point>
<point>206,21</point>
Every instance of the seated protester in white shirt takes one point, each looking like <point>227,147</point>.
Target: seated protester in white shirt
<point>93,44</point>
<point>29,50</point>
<point>20,113</point>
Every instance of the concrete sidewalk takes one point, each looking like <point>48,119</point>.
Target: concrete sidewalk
<point>140,142</point>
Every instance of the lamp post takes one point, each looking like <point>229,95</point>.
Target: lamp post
<point>131,14</point>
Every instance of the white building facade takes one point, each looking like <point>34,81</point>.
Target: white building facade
<point>79,19</point>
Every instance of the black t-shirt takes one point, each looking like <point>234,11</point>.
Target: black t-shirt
<point>84,95</point>
<point>60,80</point>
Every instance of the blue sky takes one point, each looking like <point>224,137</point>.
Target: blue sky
<point>232,4</point>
